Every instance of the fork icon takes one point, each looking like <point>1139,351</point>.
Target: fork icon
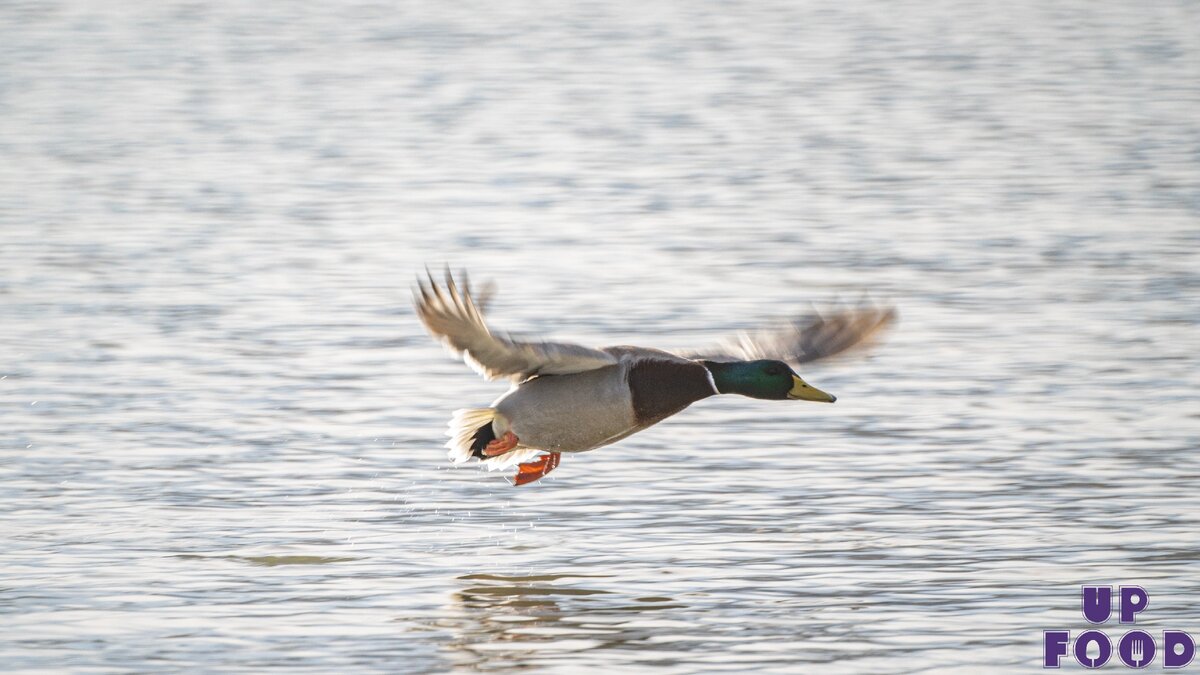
<point>1137,652</point>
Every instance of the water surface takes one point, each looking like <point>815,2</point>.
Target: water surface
<point>223,422</point>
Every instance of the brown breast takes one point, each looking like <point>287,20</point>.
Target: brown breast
<point>662,388</point>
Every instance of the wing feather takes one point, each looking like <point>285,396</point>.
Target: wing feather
<point>453,316</point>
<point>806,339</point>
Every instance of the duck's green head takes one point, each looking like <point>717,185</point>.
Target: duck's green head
<point>767,379</point>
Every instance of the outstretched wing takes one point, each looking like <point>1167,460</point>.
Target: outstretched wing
<point>455,318</point>
<point>805,339</point>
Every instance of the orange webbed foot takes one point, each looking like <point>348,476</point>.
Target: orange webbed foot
<point>501,445</point>
<point>532,471</point>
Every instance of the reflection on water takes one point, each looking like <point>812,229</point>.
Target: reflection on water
<point>514,621</point>
<point>223,424</point>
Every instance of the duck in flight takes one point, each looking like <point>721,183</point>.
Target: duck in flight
<point>570,398</point>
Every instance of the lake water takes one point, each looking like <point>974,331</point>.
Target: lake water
<point>223,424</point>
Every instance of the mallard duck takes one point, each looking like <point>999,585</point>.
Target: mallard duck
<point>571,398</point>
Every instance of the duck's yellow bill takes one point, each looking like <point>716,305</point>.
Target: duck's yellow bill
<point>803,391</point>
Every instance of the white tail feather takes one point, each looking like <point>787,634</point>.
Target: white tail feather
<point>461,431</point>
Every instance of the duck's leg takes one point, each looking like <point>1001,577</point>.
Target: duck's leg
<point>531,471</point>
<point>501,445</point>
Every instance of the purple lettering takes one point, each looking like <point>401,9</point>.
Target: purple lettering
<point>1178,648</point>
<point>1136,649</point>
<point>1134,599</point>
<point>1097,603</point>
<point>1054,647</point>
<point>1083,645</point>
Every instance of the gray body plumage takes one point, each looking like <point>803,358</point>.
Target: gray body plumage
<point>587,410</point>
<point>569,413</point>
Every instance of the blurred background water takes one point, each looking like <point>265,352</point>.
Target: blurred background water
<point>222,424</point>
